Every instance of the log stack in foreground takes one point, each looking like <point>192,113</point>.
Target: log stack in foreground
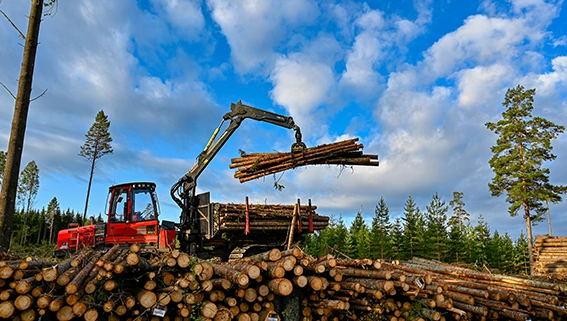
<point>136,284</point>
<point>256,165</point>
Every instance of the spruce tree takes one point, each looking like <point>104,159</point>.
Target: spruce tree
<point>522,147</point>
<point>380,233</point>
<point>413,227</point>
<point>397,238</point>
<point>436,234</point>
<point>357,229</point>
<point>97,145</point>
<point>521,255</point>
<point>507,257</point>
<point>483,240</point>
<point>494,255</point>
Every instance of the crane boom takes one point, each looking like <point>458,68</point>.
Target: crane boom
<point>183,191</point>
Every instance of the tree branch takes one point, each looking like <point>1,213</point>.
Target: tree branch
<point>13,25</point>
<point>7,90</point>
<point>43,93</point>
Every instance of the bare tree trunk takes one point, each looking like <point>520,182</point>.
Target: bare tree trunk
<point>89,190</point>
<point>40,229</point>
<point>548,218</point>
<point>529,231</point>
<point>17,134</point>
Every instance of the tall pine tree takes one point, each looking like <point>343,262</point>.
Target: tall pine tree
<point>97,145</point>
<point>522,147</point>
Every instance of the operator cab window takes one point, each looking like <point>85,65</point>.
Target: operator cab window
<point>119,206</point>
<point>144,206</point>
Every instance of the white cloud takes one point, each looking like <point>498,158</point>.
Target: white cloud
<point>477,85</point>
<point>301,85</point>
<point>548,83</point>
<point>185,15</point>
<point>481,40</point>
<point>254,28</point>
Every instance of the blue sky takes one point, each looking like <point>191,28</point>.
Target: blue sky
<point>415,80</point>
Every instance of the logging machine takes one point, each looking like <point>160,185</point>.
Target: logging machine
<point>133,208</point>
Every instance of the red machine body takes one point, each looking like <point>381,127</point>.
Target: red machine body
<point>132,217</point>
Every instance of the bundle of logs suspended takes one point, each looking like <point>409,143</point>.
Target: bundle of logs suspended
<point>138,284</point>
<point>255,165</point>
<point>550,255</point>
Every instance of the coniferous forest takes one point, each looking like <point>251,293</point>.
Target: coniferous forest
<point>441,232</point>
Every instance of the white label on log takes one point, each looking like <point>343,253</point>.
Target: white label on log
<point>273,317</point>
<point>159,311</point>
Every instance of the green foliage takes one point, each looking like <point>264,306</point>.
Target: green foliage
<point>43,250</point>
<point>522,147</point>
<point>397,238</point>
<point>413,241</point>
<point>98,139</point>
<point>456,223</point>
<point>436,244</point>
<point>521,255</point>
<point>28,187</point>
<point>380,233</point>
<point>481,241</point>
<point>476,245</point>
<point>97,144</point>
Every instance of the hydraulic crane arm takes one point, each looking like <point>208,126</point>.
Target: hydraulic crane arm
<point>183,191</point>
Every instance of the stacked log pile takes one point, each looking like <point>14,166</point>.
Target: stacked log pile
<point>550,256</point>
<point>138,284</point>
<point>256,165</point>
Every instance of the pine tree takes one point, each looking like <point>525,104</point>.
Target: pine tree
<point>436,234</point>
<point>456,223</point>
<point>28,188</point>
<point>380,233</point>
<point>52,210</point>
<point>97,145</point>
<point>413,226</point>
<point>522,147</point>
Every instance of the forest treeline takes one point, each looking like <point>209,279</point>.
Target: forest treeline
<point>429,234</point>
<point>42,226</point>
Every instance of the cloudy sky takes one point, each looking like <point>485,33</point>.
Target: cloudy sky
<point>415,80</point>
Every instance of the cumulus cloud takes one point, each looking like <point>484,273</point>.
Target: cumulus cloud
<point>183,14</point>
<point>476,84</point>
<point>300,84</point>
<point>379,38</point>
<point>254,28</point>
